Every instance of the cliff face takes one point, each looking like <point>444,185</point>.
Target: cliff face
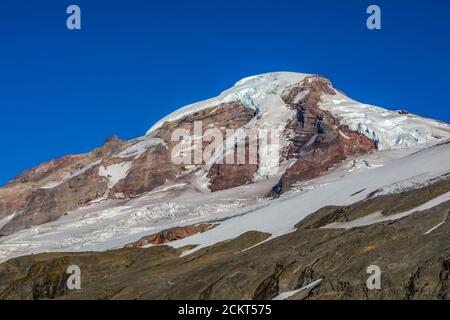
<point>156,166</point>
<point>319,141</point>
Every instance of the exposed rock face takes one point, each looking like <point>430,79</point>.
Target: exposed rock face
<point>14,196</point>
<point>318,140</point>
<point>155,167</point>
<point>50,190</point>
<point>55,186</point>
<point>149,171</point>
<point>170,235</point>
<point>47,192</point>
<point>39,172</point>
<point>225,176</point>
<point>45,205</point>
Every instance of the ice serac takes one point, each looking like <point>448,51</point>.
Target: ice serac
<point>318,128</point>
<point>388,129</point>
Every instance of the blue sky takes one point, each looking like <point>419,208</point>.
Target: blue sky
<point>63,92</point>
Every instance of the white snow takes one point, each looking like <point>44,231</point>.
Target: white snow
<point>263,94</point>
<point>389,129</point>
<point>279,216</point>
<point>408,184</point>
<point>288,294</point>
<point>67,177</point>
<point>6,219</point>
<point>114,223</point>
<point>435,227</point>
<point>142,145</point>
<point>115,172</point>
<point>250,91</point>
<point>377,217</point>
<point>52,184</point>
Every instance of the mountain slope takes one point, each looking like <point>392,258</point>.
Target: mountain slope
<point>313,122</point>
<point>335,164</point>
<point>308,263</point>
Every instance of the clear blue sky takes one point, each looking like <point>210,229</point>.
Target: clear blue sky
<point>63,92</point>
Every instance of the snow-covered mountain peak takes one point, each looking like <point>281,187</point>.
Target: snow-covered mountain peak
<point>389,129</point>
<point>271,79</point>
<point>250,91</point>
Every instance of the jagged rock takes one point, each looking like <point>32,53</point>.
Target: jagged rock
<point>319,140</point>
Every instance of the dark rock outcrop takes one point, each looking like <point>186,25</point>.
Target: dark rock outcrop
<point>319,141</point>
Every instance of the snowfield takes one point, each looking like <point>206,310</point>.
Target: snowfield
<point>377,217</point>
<point>279,216</point>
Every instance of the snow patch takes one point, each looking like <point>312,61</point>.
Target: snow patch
<point>377,217</point>
<point>435,227</point>
<point>286,295</point>
<point>115,172</point>
<point>6,219</point>
<point>67,177</point>
<point>137,149</point>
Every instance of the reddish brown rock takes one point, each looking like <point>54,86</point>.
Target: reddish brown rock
<point>21,193</point>
<point>45,205</point>
<point>155,167</point>
<point>50,190</point>
<point>74,182</point>
<point>319,140</point>
<point>170,235</point>
<point>225,176</point>
<point>45,169</point>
